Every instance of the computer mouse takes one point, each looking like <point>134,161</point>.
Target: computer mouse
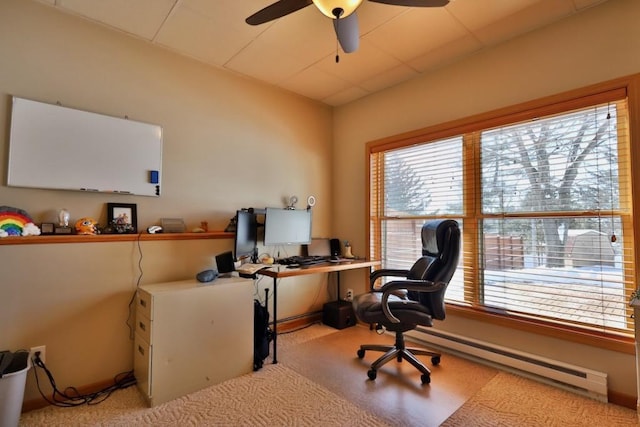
<point>207,276</point>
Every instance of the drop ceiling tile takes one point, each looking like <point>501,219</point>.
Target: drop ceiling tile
<point>142,18</point>
<point>446,54</point>
<point>419,30</point>
<point>474,14</point>
<point>265,61</point>
<point>372,15</point>
<point>346,96</point>
<point>367,62</point>
<point>233,10</point>
<point>584,4</point>
<point>388,78</point>
<point>315,83</point>
<point>296,52</point>
<point>306,34</point>
<point>210,38</point>
<point>541,13</point>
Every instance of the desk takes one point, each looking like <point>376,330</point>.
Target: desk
<point>281,271</point>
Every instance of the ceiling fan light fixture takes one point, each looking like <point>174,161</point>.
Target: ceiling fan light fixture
<point>327,7</point>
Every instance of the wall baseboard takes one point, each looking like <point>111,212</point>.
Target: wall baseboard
<point>294,322</point>
<point>39,403</point>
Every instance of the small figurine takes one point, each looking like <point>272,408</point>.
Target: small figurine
<point>63,218</point>
<point>347,250</point>
<point>86,225</point>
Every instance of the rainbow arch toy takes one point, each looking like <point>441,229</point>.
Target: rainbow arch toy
<point>13,220</point>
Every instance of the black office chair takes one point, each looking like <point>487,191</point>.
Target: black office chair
<point>401,305</point>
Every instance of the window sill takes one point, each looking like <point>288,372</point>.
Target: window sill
<point>597,339</point>
<point>75,238</point>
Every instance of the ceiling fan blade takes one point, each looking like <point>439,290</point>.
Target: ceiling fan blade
<point>276,10</point>
<point>348,32</point>
<point>414,3</point>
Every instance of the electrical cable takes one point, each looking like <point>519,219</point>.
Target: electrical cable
<point>71,397</point>
<point>300,328</point>
<point>132,329</point>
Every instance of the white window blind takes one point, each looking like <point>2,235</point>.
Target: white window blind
<point>554,210</point>
<point>419,182</point>
<point>544,205</point>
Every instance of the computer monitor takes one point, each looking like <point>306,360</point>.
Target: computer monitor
<point>246,239</point>
<point>287,227</point>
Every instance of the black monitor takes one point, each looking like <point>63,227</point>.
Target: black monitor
<point>287,227</point>
<point>246,240</point>
<point>224,263</point>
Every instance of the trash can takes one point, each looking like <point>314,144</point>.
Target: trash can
<point>13,377</point>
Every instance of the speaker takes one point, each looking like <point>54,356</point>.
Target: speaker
<point>334,245</point>
<point>338,314</point>
<point>224,262</point>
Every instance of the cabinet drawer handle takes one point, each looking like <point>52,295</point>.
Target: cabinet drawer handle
<point>141,350</point>
<point>142,326</point>
<point>143,303</point>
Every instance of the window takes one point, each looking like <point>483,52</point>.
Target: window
<point>544,203</point>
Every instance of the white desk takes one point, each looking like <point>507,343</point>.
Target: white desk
<point>281,272</point>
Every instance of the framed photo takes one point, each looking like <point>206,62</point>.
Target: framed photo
<point>122,218</point>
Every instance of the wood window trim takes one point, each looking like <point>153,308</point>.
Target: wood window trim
<point>627,86</point>
<point>566,333</point>
<point>595,94</point>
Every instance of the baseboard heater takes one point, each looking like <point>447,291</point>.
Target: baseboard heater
<point>573,378</point>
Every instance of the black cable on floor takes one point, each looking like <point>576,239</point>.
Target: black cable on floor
<point>71,397</point>
<point>300,328</point>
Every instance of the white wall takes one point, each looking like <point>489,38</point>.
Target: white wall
<point>229,143</point>
<point>595,46</point>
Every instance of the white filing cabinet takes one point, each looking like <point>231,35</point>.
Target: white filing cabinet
<point>191,335</point>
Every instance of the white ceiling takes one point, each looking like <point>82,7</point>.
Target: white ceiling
<point>297,52</point>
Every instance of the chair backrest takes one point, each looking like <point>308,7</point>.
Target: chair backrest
<point>440,254</point>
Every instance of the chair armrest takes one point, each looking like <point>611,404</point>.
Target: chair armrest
<point>410,285</point>
<point>385,272</point>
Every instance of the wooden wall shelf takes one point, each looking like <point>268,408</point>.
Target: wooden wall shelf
<point>74,238</point>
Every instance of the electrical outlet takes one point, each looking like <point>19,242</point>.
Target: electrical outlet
<point>349,295</point>
<point>42,349</point>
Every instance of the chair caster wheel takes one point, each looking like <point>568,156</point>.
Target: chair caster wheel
<point>372,374</point>
<point>435,360</point>
<point>425,378</point>
<point>361,353</point>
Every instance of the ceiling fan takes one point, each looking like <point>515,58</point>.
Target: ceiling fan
<point>342,12</point>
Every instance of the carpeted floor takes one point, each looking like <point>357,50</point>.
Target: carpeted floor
<point>512,401</point>
<point>319,381</point>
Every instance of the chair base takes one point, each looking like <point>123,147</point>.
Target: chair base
<point>400,352</point>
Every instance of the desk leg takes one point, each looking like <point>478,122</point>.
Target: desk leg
<point>275,320</point>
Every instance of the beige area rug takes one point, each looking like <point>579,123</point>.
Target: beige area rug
<point>273,396</point>
<point>512,401</point>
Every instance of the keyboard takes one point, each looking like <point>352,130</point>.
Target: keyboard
<point>250,268</point>
<point>303,260</point>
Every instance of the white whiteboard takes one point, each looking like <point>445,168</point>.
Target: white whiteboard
<point>62,148</point>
